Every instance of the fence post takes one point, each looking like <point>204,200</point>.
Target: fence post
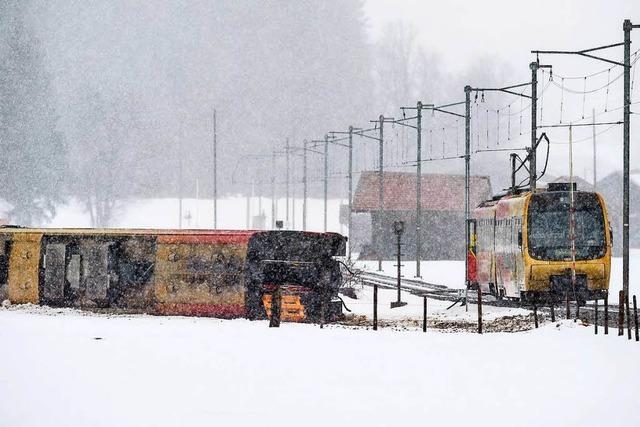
<point>620,313</point>
<point>596,322</point>
<point>635,317</point>
<point>276,300</point>
<point>322,309</point>
<point>553,311</point>
<point>535,313</point>
<point>424,317</point>
<point>606,313</point>
<point>566,297</point>
<point>479,309</point>
<point>375,307</point>
<point>626,301</point>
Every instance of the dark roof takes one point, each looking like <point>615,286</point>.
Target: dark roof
<point>440,192</point>
<point>582,184</point>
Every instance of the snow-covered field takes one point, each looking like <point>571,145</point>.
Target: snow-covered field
<point>198,213</point>
<point>439,316</point>
<point>62,367</point>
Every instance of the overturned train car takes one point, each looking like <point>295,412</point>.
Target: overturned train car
<point>214,273</point>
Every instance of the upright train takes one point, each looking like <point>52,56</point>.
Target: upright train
<point>187,272</point>
<point>521,246</point>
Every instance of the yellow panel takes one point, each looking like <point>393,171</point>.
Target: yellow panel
<point>24,268</point>
<point>291,308</point>
<point>200,273</point>
<point>540,275</point>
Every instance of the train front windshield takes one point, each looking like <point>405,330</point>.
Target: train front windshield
<point>548,226</point>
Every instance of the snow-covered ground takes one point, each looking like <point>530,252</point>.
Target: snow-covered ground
<point>63,367</point>
<point>438,314</point>
<point>448,273</point>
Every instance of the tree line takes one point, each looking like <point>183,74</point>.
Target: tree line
<point>103,102</point>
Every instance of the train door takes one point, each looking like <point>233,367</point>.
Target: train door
<point>5,245</point>
<point>24,263</point>
<point>54,272</point>
<point>96,265</point>
<point>518,254</point>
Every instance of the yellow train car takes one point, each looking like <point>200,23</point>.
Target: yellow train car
<point>220,273</point>
<point>524,250</point>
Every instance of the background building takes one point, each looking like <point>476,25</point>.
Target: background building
<point>442,221</point>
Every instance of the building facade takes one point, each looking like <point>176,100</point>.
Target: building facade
<point>441,223</point>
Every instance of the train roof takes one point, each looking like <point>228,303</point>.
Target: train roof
<point>145,231</point>
<point>553,187</point>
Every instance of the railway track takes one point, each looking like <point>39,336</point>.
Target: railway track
<point>416,287</point>
<point>445,293</point>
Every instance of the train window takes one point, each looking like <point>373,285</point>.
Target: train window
<point>95,268</point>
<point>548,226</point>
<point>73,271</point>
<point>54,271</point>
<point>4,261</point>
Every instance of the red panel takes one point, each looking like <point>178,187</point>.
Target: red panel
<point>226,311</point>
<point>440,192</point>
<point>472,271</point>
<point>219,237</point>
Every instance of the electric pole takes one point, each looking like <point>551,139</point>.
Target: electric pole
<point>180,136</point>
<point>326,177</point>
<point>287,184</point>
<point>418,187</point>
<point>350,222</point>
<point>380,190</point>
<point>215,171</point>
<point>304,185</point>
<point>593,130</point>
<point>626,27</point>
<point>534,125</point>
<point>467,177</point>
<point>273,190</point>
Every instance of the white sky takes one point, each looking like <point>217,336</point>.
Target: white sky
<point>461,32</point>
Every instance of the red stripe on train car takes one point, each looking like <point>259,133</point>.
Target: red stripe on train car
<point>226,311</point>
<point>220,238</point>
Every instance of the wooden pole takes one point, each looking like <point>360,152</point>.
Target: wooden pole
<point>553,312</point>
<point>322,308</point>
<point>479,309</point>
<point>635,317</point>
<point>596,322</point>
<point>276,299</point>
<point>375,307</point>
<point>535,313</point>
<point>606,313</point>
<point>626,301</point>
<point>566,295</point>
<point>424,316</point>
<point>620,313</point>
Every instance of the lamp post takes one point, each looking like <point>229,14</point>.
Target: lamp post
<point>398,229</point>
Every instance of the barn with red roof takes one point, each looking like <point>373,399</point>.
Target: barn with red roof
<point>442,219</point>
